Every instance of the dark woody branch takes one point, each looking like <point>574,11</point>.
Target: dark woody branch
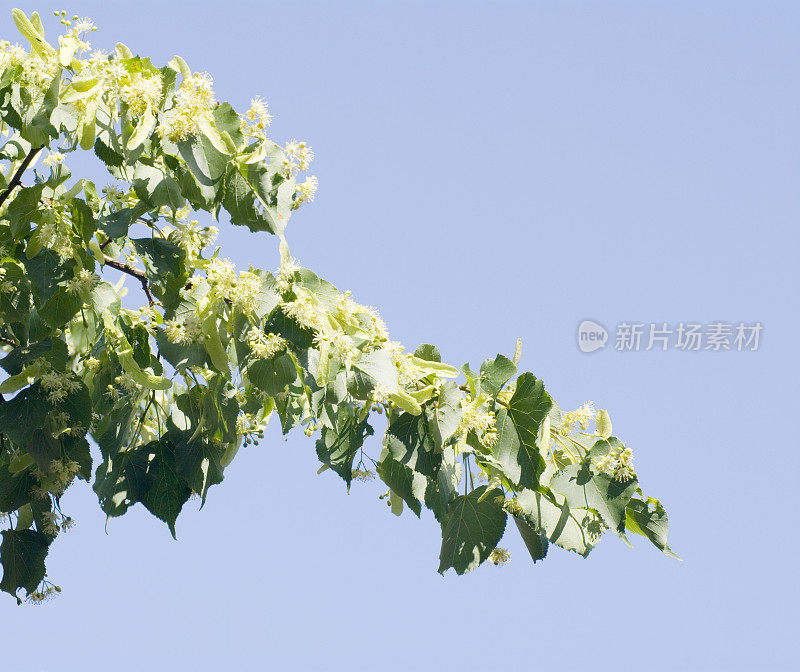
<point>16,181</point>
<point>136,273</point>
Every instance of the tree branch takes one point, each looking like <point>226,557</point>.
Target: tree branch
<point>8,341</point>
<point>16,181</point>
<point>136,273</point>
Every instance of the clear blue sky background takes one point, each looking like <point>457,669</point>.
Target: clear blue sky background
<point>491,171</point>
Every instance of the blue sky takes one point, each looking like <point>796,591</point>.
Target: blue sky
<point>490,171</point>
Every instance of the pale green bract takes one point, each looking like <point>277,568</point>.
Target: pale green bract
<point>170,392</point>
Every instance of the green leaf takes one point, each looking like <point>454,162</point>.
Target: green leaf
<point>46,272</point>
<point>244,204</point>
<point>404,481</point>
<point>428,352</point>
<point>441,492</point>
<point>181,356</point>
<point>521,463</point>
<point>585,489</point>
<point>267,298</point>
<point>116,224</point>
<point>156,188</point>
<point>77,449</point>
<point>23,210</point>
<point>220,409</point>
<point>336,448</point>
<point>106,154</point>
<point>472,530</point>
<point>43,447</point>
<point>79,89</point>
<point>650,523</point>
<point>409,440</point>
<point>15,361</point>
<point>22,555</point>
<point>83,219</point>
<point>15,491</point>
<point>555,520</point>
<point>61,307</point>
<point>536,543</point>
<point>286,327</point>
<point>227,120</point>
<point>495,373</point>
<point>16,306</point>
<point>143,130</point>
<point>114,492</point>
<point>602,422</point>
<point>471,377</point>
<point>199,463</point>
<point>23,415</point>
<point>169,491</point>
<point>160,257</point>
<point>446,413</point>
<point>272,375</point>
<point>78,405</point>
<point>528,407</point>
<point>163,264</point>
<point>380,367</point>
<point>206,163</point>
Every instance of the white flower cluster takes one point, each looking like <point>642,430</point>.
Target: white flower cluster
<point>240,290</point>
<point>143,93</point>
<point>306,310</point>
<point>91,363</point>
<point>582,416</point>
<point>82,284</point>
<point>62,425</point>
<point>117,198</point>
<point>256,119</point>
<point>146,316</point>
<point>11,55</point>
<point>478,419</point>
<point>184,333</point>
<point>297,157</point>
<point>250,428</point>
<point>194,102</point>
<point>6,287</point>
<point>56,233</point>
<point>306,191</point>
<point>36,73</point>
<point>57,479</point>
<point>53,158</point>
<point>124,385</point>
<point>58,385</point>
<point>127,383</point>
<point>53,523</point>
<point>192,238</point>
<point>408,372</point>
<point>339,344</point>
<point>265,346</point>
<point>510,506</point>
<point>617,463</point>
<point>499,556</point>
<point>284,277</point>
<point>46,594</point>
<point>114,79</point>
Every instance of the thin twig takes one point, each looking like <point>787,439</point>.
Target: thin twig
<point>16,181</point>
<point>8,341</point>
<point>136,273</point>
